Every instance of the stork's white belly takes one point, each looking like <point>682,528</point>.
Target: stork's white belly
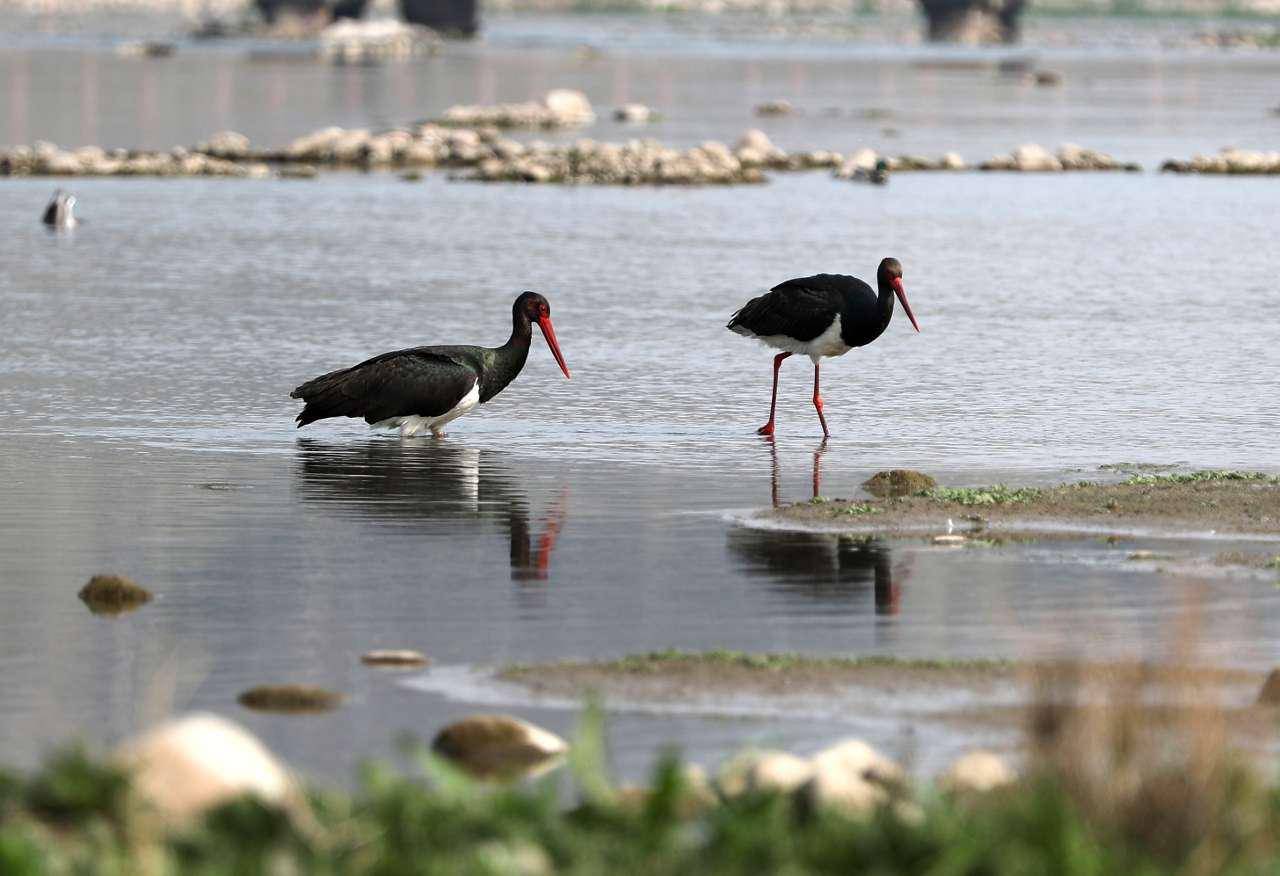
<point>826,344</point>
<point>412,425</point>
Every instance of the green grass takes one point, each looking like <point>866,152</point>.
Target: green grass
<point>997,494</point>
<point>1193,477</point>
<point>859,509</point>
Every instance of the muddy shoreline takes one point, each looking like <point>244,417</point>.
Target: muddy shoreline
<point>1244,503</point>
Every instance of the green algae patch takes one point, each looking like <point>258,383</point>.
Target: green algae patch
<point>898,482</point>
<point>113,595</point>
<point>677,675</point>
<point>1219,500</point>
<point>289,699</point>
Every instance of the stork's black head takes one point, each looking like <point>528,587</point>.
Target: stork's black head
<point>890,274</point>
<point>889,269</point>
<point>535,308</point>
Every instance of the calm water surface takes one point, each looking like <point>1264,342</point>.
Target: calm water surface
<point>147,358</point>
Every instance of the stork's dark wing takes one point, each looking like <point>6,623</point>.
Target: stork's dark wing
<point>405,383</point>
<point>51,213</point>
<point>802,309</point>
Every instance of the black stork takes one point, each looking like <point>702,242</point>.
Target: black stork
<point>427,387</point>
<point>822,315</point>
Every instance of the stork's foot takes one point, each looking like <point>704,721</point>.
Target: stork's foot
<point>766,429</point>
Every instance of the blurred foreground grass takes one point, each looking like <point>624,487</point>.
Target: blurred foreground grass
<point>1103,792</point>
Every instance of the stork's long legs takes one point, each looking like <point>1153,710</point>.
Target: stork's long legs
<point>817,403</point>
<point>767,428</point>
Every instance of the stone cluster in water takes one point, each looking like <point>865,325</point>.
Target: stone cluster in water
<point>560,108</point>
<point>1233,161</point>
<point>1034,158</point>
<point>48,159</point>
<point>482,152</point>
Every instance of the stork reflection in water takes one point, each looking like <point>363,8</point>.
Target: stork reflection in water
<point>819,565</point>
<point>415,480</point>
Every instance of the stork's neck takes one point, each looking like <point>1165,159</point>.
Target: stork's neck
<point>507,361</point>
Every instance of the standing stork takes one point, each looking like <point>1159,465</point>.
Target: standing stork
<point>822,315</point>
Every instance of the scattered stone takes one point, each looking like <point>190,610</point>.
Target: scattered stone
<point>1047,78</point>
<point>394,657</point>
<point>146,49</point>
<point>851,776</point>
<point>866,164</point>
<point>230,145</point>
<point>775,108</point>
<point>412,176</point>
<point>976,773</point>
<point>357,41</point>
<point>638,162</point>
<point>289,699</point>
<point>1228,161</point>
<point>191,764</point>
<point>299,171</point>
<point>560,108</point>
<point>48,159</point>
<point>754,772</point>
<point>499,746</point>
<point>950,539</point>
<point>1270,693</point>
<point>113,594</point>
<point>1033,158</point>
<point>635,114</point>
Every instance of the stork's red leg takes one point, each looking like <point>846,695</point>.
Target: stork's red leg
<point>817,402</point>
<point>767,428</point>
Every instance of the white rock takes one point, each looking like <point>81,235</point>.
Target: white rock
<point>570,106</point>
<point>1033,157</point>
<point>633,113</point>
<point>199,761</point>
<point>977,772</point>
<point>762,771</point>
<point>754,138</point>
<point>852,776</point>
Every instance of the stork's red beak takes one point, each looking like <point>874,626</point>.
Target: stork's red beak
<point>902,296</point>
<point>544,323</point>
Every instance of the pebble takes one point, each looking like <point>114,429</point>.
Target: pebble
<point>851,776</point>
<point>354,41</point>
<point>775,108</point>
<point>289,698</point>
<point>976,772</point>
<point>1228,161</point>
<point>559,108</point>
<point>113,594</point>
<point>634,114</point>
<point>191,764</point>
<point>951,540</point>
<point>1032,158</point>
<point>499,746</point>
<point>394,657</point>
<point>754,772</point>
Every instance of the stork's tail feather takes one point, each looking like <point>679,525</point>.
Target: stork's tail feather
<point>323,398</point>
<point>737,322</point>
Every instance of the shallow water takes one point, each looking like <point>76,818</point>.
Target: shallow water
<point>147,357</point>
